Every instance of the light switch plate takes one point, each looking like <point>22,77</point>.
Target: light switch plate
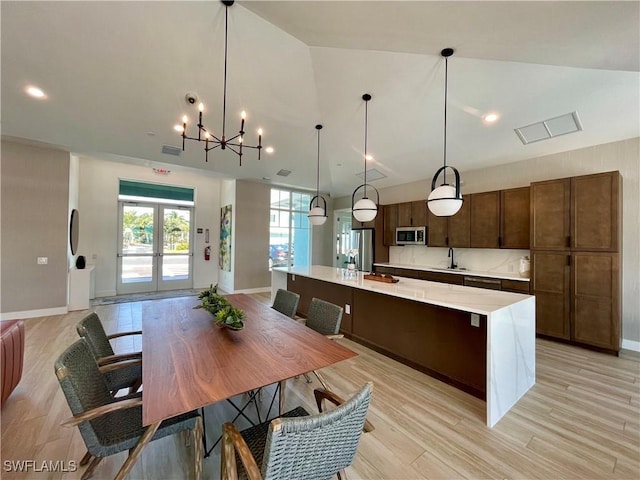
<point>347,309</point>
<point>43,260</point>
<point>475,320</point>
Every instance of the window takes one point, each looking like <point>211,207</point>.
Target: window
<point>289,229</point>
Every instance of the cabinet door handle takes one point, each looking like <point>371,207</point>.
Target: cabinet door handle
<point>568,241</point>
<point>568,260</point>
<point>499,241</point>
<point>446,241</point>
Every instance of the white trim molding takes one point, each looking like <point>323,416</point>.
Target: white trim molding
<point>45,312</point>
<point>630,345</point>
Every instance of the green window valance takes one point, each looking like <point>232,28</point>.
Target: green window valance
<point>155,190</point>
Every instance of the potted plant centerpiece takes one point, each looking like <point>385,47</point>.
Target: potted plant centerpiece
<point>226,315</point>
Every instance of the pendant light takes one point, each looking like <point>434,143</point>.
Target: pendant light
<point>445,200</point>
<point>365,210</point>
<point>318,215</point>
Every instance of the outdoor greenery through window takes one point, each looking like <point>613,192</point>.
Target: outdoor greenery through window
<point>289,229</point>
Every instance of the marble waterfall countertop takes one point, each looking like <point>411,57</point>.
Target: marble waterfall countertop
<point>457,297</point>
<point>457,271</point>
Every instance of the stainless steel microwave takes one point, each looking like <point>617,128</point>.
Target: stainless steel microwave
<point>411,236</point>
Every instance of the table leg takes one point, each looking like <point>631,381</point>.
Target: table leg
<point>283,387</point>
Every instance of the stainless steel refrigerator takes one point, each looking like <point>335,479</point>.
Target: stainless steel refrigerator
<point>364,239</point>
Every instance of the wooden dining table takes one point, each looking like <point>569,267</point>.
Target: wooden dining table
<point>189,362</point>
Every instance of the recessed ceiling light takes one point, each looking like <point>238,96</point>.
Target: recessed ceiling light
<point>34,92</point>
<point>266,178</point>
<point>178,128</point>
<point>490,117</point>
<point>369,157</point>
<point>269,150</point>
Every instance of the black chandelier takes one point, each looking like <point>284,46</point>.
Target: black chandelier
<point>211,141</point>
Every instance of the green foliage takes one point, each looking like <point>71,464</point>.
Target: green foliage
<point>225,313</point>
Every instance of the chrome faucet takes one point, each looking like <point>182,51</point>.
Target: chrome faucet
<point>452,265</point>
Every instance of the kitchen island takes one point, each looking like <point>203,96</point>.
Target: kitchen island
<point>481,341</point>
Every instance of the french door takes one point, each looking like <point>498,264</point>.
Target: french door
<point>155,247</point>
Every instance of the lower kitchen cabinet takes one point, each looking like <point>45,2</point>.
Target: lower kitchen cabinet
<point>551,281</point>
<point>578,297</point>
<point>595,299</point>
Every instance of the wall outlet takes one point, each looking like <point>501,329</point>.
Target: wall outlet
<point>510,267</point>
<point>94,256</point>
<point>293,278</point>
<point>347,309</point>
<point>43,260</point>
<point>475,320</point>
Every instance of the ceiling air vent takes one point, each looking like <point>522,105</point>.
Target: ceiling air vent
<point>171,150</point>
<point>284,173</point>
<point>372,175</point>
<point>553,127</point>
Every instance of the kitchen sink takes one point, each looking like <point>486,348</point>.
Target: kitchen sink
<point>442,269</point>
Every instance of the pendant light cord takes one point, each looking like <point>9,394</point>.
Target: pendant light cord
<point>366,117</point>
<point>224,97</point>
<point>446,82</point>
<point>318,170</point>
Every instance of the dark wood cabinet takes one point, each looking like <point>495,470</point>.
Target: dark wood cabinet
<point>550,214</point>
<point>551,280</point>
<point>485,220</point>
<point>380,249</point>
<point>500,219</point>
<point>575,237</point>
<point>438,231</point>
<point>451,231</point>
<point>595,305</point>
<point>404,214</point>
<point>412,214</point>
<point>390,224</point>
<point>459,226</point>
<point>596,212</point>
<point>515,218</point>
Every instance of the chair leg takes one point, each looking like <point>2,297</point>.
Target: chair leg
<point>342,475</point>
<point>133,456</point>
<point>198,452</point>
<point>85,459</point>
<point>88,473</point>
<point>186,436</point>
<point>307,377</point>
<point>136,386</point>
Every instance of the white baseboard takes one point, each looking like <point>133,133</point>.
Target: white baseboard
<point>45,312</point>
<point>254,290</point>
<point>631,345</point>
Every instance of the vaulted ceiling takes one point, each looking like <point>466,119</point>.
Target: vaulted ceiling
<point>116,75</point>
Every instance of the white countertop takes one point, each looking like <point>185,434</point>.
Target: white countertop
<point>473,273</point>
<point>457,297</point>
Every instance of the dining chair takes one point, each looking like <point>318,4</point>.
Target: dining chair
<point>108,425</point>
<point>298,445</point>
<point>121,371</point>
<point>325,318</point>
<point>286,302</point>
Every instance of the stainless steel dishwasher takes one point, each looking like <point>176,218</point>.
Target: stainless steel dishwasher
<point>480,282</point>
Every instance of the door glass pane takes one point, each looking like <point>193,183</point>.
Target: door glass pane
<point>137,229</point>
<point>175,230</point>
<point>137,241</point>
<point>176,224</point>
<point>137,269</point>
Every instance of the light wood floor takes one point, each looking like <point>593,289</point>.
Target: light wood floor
<point>580,421</point>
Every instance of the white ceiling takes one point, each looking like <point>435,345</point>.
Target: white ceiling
<point>116,74</point>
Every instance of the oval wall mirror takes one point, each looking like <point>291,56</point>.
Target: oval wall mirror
<point>74,225</point>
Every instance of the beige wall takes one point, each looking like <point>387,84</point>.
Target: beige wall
<point>98,207</point>
<point>623,156</point>
<point>251,237</point>
<point>35,223</point>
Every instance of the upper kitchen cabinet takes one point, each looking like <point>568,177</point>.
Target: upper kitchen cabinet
<point>579,213</point>
<point>550,214</point>
<point>485,220</point>
<point>500,219</point>
<point>412,214</point>
<point>451,231</point>
<point>596,212</point>
<point>390,223</point>
<point>515,218</point>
